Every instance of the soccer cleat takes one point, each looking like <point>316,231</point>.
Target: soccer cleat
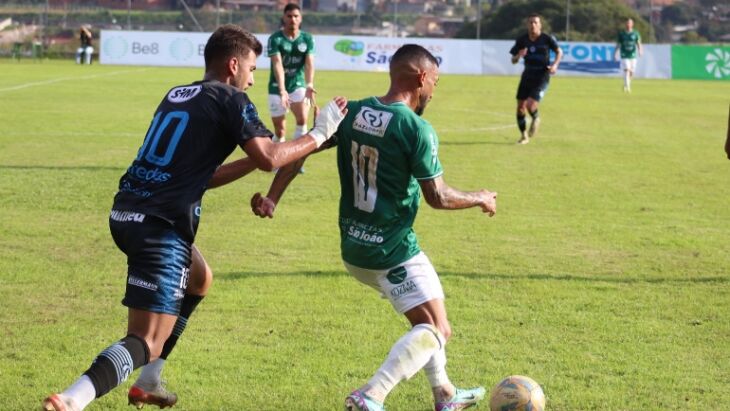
<point>534,126</point>
<point>524,139</point>
<point>159,396</point>
<point>358,401</point>
<point>462,399</point>
<point>59,402</point>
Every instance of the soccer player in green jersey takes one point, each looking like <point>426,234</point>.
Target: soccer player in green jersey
<point>628,44</point>
<point>291,81</point>
<point>385,152</point>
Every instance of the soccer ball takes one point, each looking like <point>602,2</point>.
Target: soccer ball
<point>517,393</point>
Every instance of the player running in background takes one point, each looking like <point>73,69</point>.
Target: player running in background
<point>628,44</point>
<point>157,208</point>
<point>534,48</point>
<point>291,81</point>
<point>385,151</point>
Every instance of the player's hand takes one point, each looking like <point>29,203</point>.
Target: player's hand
<point>522,52</point>
<point>262,206</point>
<point>553,69</point>
<point>284,99</point>
<point>328,119</point>
<point>489,202</point>
<point>309,96</point>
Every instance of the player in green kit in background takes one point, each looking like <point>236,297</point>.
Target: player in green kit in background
<point>628,44</point>
<point>385,152</point>
<point>291,81</point>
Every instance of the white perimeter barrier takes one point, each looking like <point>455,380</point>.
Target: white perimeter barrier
<point>357,53</point>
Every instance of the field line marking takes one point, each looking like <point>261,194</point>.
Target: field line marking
<point>60,79</point>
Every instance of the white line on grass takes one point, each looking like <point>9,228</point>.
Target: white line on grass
<point>60,79</point>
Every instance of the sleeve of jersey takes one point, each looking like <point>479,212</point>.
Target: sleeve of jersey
<point>245,121</point>
<point>310,45</point>
<point>554,44</point>
<point>272,46</point>
<point>424,160</point>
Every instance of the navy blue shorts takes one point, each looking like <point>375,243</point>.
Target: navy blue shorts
<point>533,87</point>
<point>158,261</point>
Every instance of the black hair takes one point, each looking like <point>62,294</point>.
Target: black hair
<point>412,53</point>
<point>230,40</point>
<point>291,6</point>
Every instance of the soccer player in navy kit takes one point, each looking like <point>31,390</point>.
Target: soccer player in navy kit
<point>157,208</point>
<point>534,48</point>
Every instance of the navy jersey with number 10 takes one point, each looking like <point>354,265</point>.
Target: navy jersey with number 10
<point>194,129</point>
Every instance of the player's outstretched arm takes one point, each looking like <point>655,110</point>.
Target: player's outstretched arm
<point>265,206</point>
<point>230,172</point>
<point>440,196</point>
<point>269,155</point>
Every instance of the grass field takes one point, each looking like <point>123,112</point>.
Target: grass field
<point>605,275</point>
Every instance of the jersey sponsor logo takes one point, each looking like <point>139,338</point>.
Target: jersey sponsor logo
<point>373,122</point>
<point>138,282</point>
<point>397,275</point>
<point>181,94</point>
<point>364,236</point>
<point>403,289</point>
<point>155,175</point>
<point>125,216</point>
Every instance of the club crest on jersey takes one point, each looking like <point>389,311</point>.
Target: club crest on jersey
<point>249,113</point>
<point>373,122</point>
<point>181,94</point>
<point>302,47</point>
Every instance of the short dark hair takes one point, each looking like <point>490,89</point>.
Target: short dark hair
<point>230,40</point>
<point>534,15</point>
<point>412,53</point>
<point>291,6</point>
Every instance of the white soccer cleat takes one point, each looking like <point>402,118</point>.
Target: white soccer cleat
<point>524,139</point>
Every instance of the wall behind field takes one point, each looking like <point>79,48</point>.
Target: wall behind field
<point>456,56</point>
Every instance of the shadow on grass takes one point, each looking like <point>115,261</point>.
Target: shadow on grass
<point>475,143</point>
<point>62,168</point>
<point>237,275</point>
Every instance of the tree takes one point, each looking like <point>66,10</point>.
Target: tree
<point>590,20</point>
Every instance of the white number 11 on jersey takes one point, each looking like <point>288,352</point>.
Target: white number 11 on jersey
<point>364,174</point>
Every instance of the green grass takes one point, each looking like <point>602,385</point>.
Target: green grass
<point>605,275</point>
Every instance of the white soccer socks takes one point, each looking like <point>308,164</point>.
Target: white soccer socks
<point>82,392</point>
<point>408,355</point>
<point>435,369</point>
<point>299,131</point>
<point>149,378</point>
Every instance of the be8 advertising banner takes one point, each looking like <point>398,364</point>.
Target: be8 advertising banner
<point>701,62</point>
<point>159,48</point>
<point>359,53</point>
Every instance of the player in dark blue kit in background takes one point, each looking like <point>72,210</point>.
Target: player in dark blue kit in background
<point>156,211</point>
<point>534,48</point>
